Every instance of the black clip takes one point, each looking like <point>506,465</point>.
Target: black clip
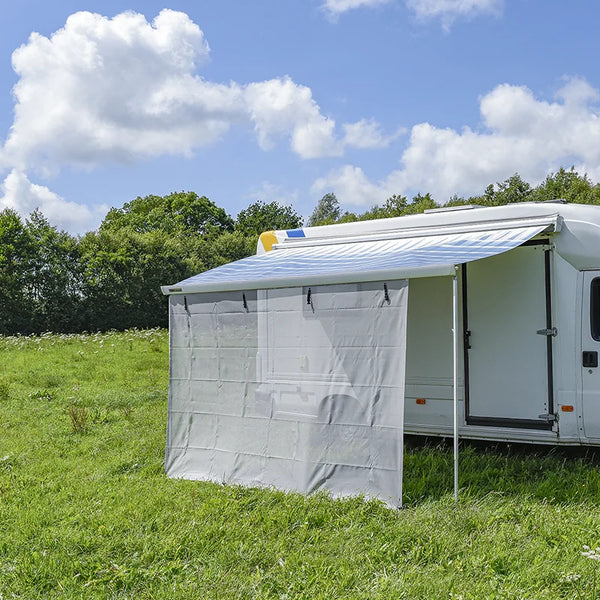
<point>308,297</point>
<point>386,293</point>
<point>185,304</point>
<point>245,303</point>
<point>467,341</point>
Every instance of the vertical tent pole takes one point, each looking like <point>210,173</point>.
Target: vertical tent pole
<point>455,376</point>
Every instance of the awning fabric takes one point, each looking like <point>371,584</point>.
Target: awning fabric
<point>330,262</point>
<point>278,393</point>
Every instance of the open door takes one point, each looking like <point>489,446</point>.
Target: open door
<point>590,350</point>
<point>508,339</point>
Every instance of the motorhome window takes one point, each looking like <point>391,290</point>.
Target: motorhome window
<point>595,308</point>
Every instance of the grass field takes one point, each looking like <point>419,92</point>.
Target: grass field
<point>86,511</point>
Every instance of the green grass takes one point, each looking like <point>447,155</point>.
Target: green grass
<point>86,511</point>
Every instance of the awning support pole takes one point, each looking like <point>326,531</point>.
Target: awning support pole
<point>455,377</point>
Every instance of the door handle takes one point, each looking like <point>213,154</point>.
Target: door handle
<point>590,358</point>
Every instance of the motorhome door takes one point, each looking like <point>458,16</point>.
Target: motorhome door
<point>590,342</point>
<point>508,339</point>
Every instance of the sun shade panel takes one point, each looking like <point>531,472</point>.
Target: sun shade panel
<point>290,389</point>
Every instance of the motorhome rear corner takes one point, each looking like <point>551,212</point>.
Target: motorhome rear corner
<point>529,321</point>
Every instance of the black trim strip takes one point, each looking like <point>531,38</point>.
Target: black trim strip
<point>540,242</point>
<point>595,309</point>
<point>466,337</point>
<point>548,273</point>
<point>516,423</point>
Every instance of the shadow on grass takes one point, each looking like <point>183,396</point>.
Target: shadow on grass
<point>548,473</point>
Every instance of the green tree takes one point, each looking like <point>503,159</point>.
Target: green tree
<point>348,217</point>
<point>488,195</point>
<point>123,272</point>
<point>510,191</point>
<point>16,257</point>
<point>56,278</point>
<point>231,246</point>
<point>181,212</point>
<point>394,206</point>
<point>420,204</point>
<point>326,212</point>
<point>456,200</point>
<point>568,185</point>
<point>261,216</point>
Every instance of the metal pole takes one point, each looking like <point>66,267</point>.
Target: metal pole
<point>455,377</point>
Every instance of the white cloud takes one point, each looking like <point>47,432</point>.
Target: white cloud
<point>116,89</point>
<point>279,107</point>
<point>520,133</point>
<point>351,186</point>
<point>271,192</point>
<point>337,7</point>
<point>19,194</point>
<point>449,10</point>
<point>445,10</point>
<point>120,90</point>
<point>124,89</point>
<point>367,133</point>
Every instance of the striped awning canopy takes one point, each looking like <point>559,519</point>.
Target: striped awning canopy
<point>397,255</point>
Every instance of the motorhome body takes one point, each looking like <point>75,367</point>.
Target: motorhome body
<point>529,323</point>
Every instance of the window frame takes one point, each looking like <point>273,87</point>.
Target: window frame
<point>595,308</point>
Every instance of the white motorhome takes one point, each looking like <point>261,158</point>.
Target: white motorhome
<point>529,323</point>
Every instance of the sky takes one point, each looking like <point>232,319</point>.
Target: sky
<point>286,100</point>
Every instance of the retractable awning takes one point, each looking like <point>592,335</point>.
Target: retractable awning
<point>394,255</point>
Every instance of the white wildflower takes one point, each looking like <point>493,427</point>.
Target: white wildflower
<point>570,578</point>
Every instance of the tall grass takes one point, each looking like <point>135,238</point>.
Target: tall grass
<point>88,513</point>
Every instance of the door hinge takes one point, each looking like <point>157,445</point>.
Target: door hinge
<point>549,418</point>
<point>552,331</point>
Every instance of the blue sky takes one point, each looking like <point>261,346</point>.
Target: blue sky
<point>101,102</point>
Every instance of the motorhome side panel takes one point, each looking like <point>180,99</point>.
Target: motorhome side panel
<point>567,314</point>
<point>428,399</point>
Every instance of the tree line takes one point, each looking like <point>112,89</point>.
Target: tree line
<point>110,278</point>
<point>564,184</point>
